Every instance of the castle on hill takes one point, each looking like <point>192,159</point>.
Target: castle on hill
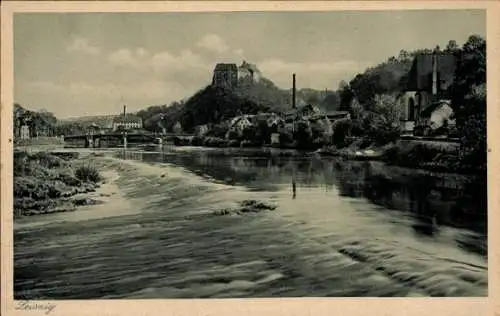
<point>229,74</point>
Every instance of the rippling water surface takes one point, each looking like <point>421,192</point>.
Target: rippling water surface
<point>352,229</point>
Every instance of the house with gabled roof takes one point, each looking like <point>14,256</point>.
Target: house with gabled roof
<point>127,121</point>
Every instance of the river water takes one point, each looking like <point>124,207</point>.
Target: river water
<point>352,229</point>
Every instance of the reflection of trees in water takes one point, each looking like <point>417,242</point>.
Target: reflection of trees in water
<point>431,199</point>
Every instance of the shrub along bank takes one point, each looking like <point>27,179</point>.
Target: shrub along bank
<point>45,182</point>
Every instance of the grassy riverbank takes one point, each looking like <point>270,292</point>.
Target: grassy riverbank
<point>427,155</point>
<point>47,182</point>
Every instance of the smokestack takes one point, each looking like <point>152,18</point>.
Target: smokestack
<point>124,111</point>
<point>293,92</point>
<point>435,71</point>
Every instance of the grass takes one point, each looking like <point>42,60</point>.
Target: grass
<point>426,155</point>
<point>40,142</point>
<point>88,174</point>
<point>44,181</point>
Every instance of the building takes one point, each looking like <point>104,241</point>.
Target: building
<point>93,129</point>
<point>305,111</point>
<point>429,81</point>
<point>238,124</point>
<point>177,128</point>
<point>201,130</point>
<point>25,132</point>
<point>127,122</point>
<point>248,72</point>
<point>436,116</point>
<point>225,75</point>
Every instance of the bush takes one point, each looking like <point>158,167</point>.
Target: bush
<point>417,155</point>
<point>341,130</point>
<point>473,153</point>
<point>285,138</point>
<point>68,177</point>
<point>234,135</point>
<point>88,174</point>
<point>197,141</point>
<point>219,130</point>
<point>47,160</point>
<point>303,135</point>
<point>233,143</point>
<point>215,142</point>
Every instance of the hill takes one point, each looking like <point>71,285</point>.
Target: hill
<point>101,120</point>
<point>212,105</point>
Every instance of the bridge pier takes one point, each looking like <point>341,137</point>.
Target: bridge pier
<point>89,142</point>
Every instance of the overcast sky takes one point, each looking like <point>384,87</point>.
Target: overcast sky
<point>91,64</point>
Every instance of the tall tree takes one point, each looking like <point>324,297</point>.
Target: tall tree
<point>469,101</point>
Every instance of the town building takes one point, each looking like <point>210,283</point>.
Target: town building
<point>436,116</point>
<point>225,75</point>
<point>238,124</point>
<point>25,132</point>
<point>429,82</point>
<point>127,122</point>
<point>93,129</point>
<point>201,130</point>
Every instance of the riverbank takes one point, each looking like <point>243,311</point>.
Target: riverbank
<point>439,156</point>
<point>50,182</point>
<point>425,155</point>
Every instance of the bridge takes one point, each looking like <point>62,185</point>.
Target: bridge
<point>121,138</point>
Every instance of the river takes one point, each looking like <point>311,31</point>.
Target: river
<point>351,229</point>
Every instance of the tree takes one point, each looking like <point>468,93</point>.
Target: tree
<point>303,135</point>
<point>470,79</point>
<point>452,46</point>
<point>331,102</point>
<point>469,102</point>
<point>346,97</point>
<point>403,55</point>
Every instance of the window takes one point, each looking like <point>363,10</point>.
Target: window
<point>411,110</point>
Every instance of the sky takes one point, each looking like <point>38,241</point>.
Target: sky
<point>75,64</point>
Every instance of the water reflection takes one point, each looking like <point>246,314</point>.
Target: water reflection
<point>431,200</point>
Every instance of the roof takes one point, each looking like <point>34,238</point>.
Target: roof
<point>129,118</point>
<point>303,108</point>
<point>420,76</point>
<point>226,67</point>
<point>433,106</point>
<point>337,113</point>
<point>237,119</point>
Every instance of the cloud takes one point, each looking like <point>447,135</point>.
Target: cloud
<point>162,62</point>
<point>238,52</point>
<point>186,60</point>
<point>277,65</point>
<point>312,74</point>
<point>82,45</point>
<point>213,43</point>
<point>141,78</point>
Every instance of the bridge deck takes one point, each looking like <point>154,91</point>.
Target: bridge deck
<point>120,135</point>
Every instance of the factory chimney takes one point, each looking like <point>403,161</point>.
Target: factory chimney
<point>124,111</point>
<point>435,72</point>
<point>293,92</point>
